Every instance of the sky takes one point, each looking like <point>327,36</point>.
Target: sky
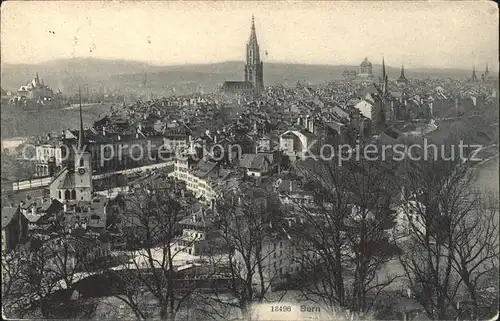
<point>418,34</point>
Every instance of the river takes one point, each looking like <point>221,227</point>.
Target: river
<point>486,176</point>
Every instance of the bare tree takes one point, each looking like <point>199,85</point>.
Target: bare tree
<point>437,199</point>
<point>346,230</point>
<point>320,231</point>
<point>475,252</point>
<point>250,226</point>
<point>153,212</point>
<point>28,278</point>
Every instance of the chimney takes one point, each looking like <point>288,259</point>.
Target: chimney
<point>104,130</point>
<point>307,122</point>
<point>311,125</point>
<point>65,207</point>
<point>194,218</point>
<point>291,186</point>
<point>33,210</point>
<point>289,223</point>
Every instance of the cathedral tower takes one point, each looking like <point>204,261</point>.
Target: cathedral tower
<point>254,68</point>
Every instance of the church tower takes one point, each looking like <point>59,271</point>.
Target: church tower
<point>474,77</point>
<point>83,165</point>
<point>402,79</point>
<point>486,73</point>
<point>383,70</point>
<point>254,68</point>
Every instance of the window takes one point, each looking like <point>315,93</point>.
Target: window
<point>59,194</point>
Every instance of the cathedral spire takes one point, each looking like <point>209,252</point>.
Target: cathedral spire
<point>253,34</point>
<point>254,68</point>
<point>80,136</point>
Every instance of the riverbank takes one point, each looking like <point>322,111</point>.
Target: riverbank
<point>486,175</point>
<point>21,123</point>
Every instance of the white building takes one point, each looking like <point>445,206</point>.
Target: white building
<point>205,179</point>
<point>295,143</point>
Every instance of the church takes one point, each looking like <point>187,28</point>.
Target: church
<point>74,182</point>
<point>254,74</point>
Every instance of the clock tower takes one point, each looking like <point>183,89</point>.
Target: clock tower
<point>74,183</point>
<point>83,167</point>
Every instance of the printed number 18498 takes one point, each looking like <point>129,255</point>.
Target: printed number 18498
<point>281,308</point>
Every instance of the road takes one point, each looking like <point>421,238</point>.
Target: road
<point>42,182</point>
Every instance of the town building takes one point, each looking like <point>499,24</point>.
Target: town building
<point>35,90</point>
<point>199,232</point>
<point>205,178</point>
<point>365,70</point>
<point>14,228</point>
<point>349,74</point>
<point>254,69</point>
<point>256,165</point>
<point>297,143</point>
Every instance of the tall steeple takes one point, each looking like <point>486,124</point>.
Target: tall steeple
<point>254,69</point>
<point>383,69</point>
<point>80,136</point>
<point>474,77</point>
<point>253,35</point>
<point>402,79</point>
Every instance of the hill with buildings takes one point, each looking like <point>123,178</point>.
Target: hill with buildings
<point>110,75</point>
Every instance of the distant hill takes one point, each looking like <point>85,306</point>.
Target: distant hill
<point>68,74</point>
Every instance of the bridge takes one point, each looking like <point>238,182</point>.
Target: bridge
<point>45,181</point>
